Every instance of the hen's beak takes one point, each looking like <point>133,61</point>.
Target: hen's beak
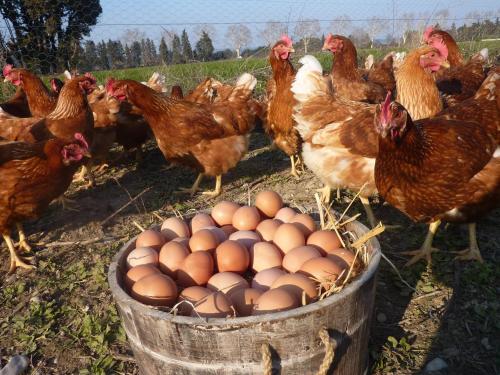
<point>87,154</point>
<point>291,50</point>
<point>324,48</point>
<point>384,130</point>
<point>6,79</point>
<point>445,64</point>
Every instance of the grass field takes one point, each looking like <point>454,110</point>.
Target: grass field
<point>63,318</point>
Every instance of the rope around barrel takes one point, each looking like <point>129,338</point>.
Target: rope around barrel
<point>330,346</point>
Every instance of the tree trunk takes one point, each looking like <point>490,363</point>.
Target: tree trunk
<point>238,56</point>
<point>306,42</point>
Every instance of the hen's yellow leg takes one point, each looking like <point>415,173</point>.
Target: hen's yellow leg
<point>23,243</point>
<point>15,259</point>
<point>472,252</point>
<point>193,189</point>
<point>426,249</point>
<point>218,187</point>
<point>294,171</point>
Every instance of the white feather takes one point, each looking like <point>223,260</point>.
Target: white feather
<point>247,80</point>
<point>484,53</point>
<point>308,81</point>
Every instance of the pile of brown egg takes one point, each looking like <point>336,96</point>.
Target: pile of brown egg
<point>237,260</point>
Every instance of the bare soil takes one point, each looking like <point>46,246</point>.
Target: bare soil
<point>62,315</point>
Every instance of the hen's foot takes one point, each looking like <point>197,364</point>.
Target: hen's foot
<point>66,203</point>
<point>218,188</point>
<point>422,253</point>
<point>469,254</point>
<point>472,252</point>
<point>294,172</point>
<point>426,250</point>
<point>193,189</point>
<point>17,261</point>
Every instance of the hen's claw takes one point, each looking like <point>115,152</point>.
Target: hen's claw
<point>424,252</point>
<point>469,254</point>
<point>18,261</point>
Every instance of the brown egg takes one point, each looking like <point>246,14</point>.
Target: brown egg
<point>295,258</point>
<point>264,279</point>
<point>245,237</point>
<point>200,221</point>
<point>174,227</point>
<point>324,270</point>
<point>138,272</point>
<point>325,240</point>
<point>203,240</point>
<point>228,229</point>
<point>268,202</point>
<point>298,285</point>
<point>226,282</point>
<point>288,237</point>
<point>155,290</point>
<point>215,305</point>
<point>142,255</point>
<point>305,223</point>
<point>197,269</point>
<point>285,215</point>
<point>219,233</point>
<point>193,294</point>
<point>264,255</point>
<point>246,218</point>
<point>231,256</point>
<point>343,257</point>
<point>267,228</point>
<point>275,300</point>
<point>244,300</point>
<point>184,241</point>
<point>150,238</point>
<point>172,254</point>
<point>223,212</point>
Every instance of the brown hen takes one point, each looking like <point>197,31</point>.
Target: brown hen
<point>446,168</point>
<point>34,174</point>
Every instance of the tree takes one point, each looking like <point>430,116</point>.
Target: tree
<point>163,52</point>
<point>176,50</point>
<point>102,55</point>
<point>199,29</point>
<point>130,36</point>
<point>272,31</point>
<point>405,25</point>
<point>341,25</point>
<point>129,62</point>
<point>90,55</point>
<point>204,47</point>
<point>48,33</point>
<point>187,51</point>
<point>136,53</point>
<point>374,26</point>
<point>239,36</point>
<point>441,18</point>
<point>307,29</point>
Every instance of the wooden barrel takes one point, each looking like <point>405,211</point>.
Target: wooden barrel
<point>166,344</point>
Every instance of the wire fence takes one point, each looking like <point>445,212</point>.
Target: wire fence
<point>133,39</point>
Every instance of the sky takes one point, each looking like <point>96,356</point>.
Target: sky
<point>154,16</point>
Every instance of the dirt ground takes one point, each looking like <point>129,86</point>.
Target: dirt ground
<point>62,315</point>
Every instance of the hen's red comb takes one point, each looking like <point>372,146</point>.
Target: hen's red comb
<point>384,114</point>
<point>91,77</point>
<point>285,38</point>
<point>427,33</point>
<point>441,47</point>
<point>329,37</point>
<point>7,69</point>
<point>109,85</point>
<point>81,138</point>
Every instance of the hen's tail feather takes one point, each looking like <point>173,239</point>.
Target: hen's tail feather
<point>309,81</point>
<point>243,88</point>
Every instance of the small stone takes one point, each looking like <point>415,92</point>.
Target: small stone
<point>381,317</point>
<point>436,364</point>
<point>16,366</point>
<point>486,343</point>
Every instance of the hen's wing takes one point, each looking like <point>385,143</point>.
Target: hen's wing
<point>20,151</point>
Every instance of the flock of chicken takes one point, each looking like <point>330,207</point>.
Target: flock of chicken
<point>431,153</point>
